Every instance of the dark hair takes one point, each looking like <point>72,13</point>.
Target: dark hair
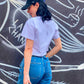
<point>43,11</point>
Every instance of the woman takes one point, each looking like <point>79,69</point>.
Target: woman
<point>38,32</point>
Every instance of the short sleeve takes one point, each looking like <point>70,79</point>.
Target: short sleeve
<point>28,30</point>
<point>56,33</point>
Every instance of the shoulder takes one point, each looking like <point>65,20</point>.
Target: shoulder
<point>52,22</point>
<point>55,24</point>
<point>32,20</point>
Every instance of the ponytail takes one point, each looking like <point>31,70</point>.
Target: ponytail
<point>43,11</point>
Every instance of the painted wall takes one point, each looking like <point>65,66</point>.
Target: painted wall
<point>68,64</point>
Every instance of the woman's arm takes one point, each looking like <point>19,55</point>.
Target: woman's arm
<point>27,55</point>
<point>57,47</point>
<point>27,60</point>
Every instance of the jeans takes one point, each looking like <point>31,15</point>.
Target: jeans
<point>39,72</point>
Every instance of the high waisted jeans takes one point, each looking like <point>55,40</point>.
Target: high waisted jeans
<point>40,71</point>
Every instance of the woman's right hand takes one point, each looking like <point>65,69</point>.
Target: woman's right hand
<point>27,79</point>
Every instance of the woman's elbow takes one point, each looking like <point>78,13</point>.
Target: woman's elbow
<point>60,46</point>
<point>28,50</point>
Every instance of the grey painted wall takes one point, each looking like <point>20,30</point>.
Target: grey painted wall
<point>68,64</point>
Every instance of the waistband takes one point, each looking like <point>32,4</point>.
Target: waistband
<point>38,56</point>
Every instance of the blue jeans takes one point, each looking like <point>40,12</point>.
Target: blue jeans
<point>40,71</point>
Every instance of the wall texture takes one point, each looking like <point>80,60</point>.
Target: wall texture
<point>68,64</point>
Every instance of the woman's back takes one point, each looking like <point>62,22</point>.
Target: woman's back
<point>41,32</point>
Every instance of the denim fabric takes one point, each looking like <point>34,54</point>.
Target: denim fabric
<point>40,71</point>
